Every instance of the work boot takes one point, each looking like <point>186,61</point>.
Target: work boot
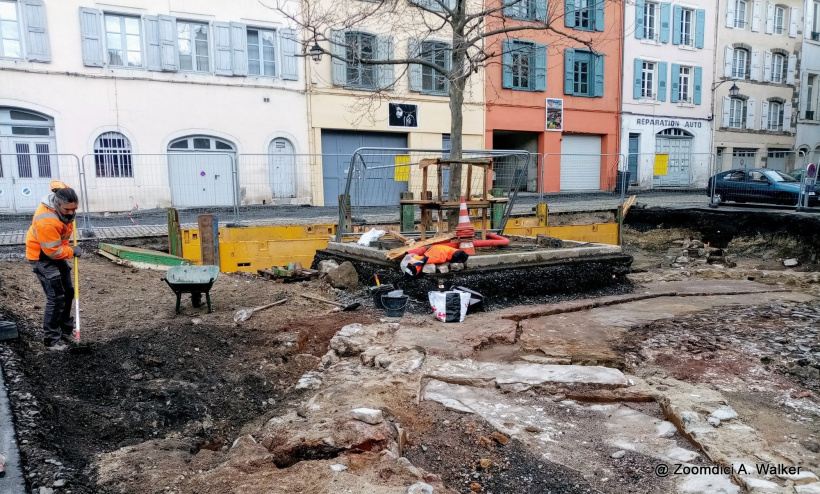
<point>56,347</point>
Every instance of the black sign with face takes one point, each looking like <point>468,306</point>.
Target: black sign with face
<point>403,115</point>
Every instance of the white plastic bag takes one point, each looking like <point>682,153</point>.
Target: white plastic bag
<point>371,235</point>
<point>449,306</point>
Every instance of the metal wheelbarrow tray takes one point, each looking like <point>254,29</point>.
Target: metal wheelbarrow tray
<point>193,280</point>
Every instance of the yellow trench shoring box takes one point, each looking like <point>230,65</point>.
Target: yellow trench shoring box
<point>604,233</point>
<point>260,247</point>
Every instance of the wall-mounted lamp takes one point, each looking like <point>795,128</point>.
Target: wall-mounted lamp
<point>733,91</point>
<point>316,52</point>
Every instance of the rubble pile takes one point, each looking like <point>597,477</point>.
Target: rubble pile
<point>686,253</point>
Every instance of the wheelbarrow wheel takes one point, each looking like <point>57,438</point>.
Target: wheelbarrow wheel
<point>196,299</point>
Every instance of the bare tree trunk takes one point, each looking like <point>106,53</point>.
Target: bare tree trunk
<point>458,81</point>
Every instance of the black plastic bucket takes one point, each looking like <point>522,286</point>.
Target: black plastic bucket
<point>378,291</point>
<point>395,306</point>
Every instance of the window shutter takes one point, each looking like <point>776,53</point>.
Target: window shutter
<point>600,14</point>
<point>414,51</point>
<point>90,27</point>
<point>802,98</point>
<point>764,115</point>
<point>700,26</point>
<point>730,14</point>
<point>506,64</point>
<point>675,92</point>
<point>769,18</point>
<point>791,69</point>
<point>290,68</point>
<point>540,67</point>
<point>541,10</point>
<point>152,50</point>
<point>662,76</point>
<point>809,21</point>
<point>508,7</point>
<point>448,61</point>
<point>728,52</point>
<point>222,49</point>
<point>338,48</point>
<point>636,88</point>
<point>569,13</point>
<point>756,16</point>
<point>724,122</point>
<point>239,48</point>
<point>37,47</point>
<point>666,11</point>
<point>384,51</point>
<point>767,67</point>
<point>756,73</point>
<point>168,43</point>
<point>569,67</point>
<point>787,116</point>
<point>697,94</point>
<point>751,118</point>
<point>794,14</point>
<point>598,63</point>
<point>677,13</point>
<point>640,5</point>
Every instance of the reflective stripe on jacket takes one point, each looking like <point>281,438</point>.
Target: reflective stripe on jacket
<point>48,236</point>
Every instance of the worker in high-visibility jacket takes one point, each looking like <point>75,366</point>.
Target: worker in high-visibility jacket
<point>48,249</point>
<point>414,261</point>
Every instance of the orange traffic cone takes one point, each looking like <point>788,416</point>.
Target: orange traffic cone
<point>465,231</point>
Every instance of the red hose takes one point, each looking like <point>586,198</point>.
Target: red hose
<point>493,240</point>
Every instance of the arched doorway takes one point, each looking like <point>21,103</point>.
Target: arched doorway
<point>200,171</point>
<point>27,161</point>
<point>282,166</point>
<point>677,143</point>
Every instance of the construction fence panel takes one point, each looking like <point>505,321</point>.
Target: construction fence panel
<point>580,182</point>
<point>25,176</point>
<point>670,179</point>
<point>125,182</point>
<point>379,177</point>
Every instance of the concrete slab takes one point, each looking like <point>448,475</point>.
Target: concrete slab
<point>526,374</point>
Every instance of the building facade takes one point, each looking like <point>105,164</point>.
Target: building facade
<point>159,97</point>
<point>757,49</point>
<point>552,95</point>
<point>668,49</point>
<point>808,113</point>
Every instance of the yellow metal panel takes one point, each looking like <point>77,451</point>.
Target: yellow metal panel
<point>402,173</point>
<point>661,164</point>
<point>605,233</point>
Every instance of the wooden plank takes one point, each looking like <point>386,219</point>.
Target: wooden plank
<point>401,251</point>
<point>174,233</point>
<point>628,204</point>
<point>209,239</point>
<point>401,238</point>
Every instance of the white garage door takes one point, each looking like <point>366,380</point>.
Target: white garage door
<point>580,162</point>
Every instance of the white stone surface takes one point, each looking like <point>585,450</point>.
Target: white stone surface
<point>368,415</point>
<point>470,372</point>
<point>724,413</point>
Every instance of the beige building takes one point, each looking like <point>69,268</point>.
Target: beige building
<point>757,48</point>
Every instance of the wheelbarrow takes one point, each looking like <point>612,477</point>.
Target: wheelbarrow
<point>193,280</point>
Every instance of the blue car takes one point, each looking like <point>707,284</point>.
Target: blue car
<point>757,185</point>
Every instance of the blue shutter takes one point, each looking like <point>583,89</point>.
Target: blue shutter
<point>636,89</point>
<point>700,25</point>
<point>290,68</point>
<point>414,51</point>
<point>540,67</point>
<point>541,10</point>
<point>674,95</point>
<point>569,66</point>
<point>676,24</point>
<point>239,48</point>
<point>506,64</point>
<point>508,7</point>
<point>338,49</point>
<point>448,62</point>
<point>384,51</point>
<point>598,21</point>
<point>639,11</point>
<point>598,70</point>
<point>666,8</point>
<point>152,50</point>
<point>569,13</point>
<point>662,81</point>
<point>168,46</point>
<point>37,47</point>
<point>222,49</point>
<point>698,83</point>
<point>90,30</point>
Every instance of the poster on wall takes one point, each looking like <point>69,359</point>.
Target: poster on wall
<point>555,114</point>
<point>403,115</point>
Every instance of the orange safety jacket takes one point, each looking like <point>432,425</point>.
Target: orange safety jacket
<point>48,236</point>
<point>439,254</point>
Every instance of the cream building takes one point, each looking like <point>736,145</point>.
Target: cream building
<point>808,114</point>
<point>157,97</point>
<point>758,44</point>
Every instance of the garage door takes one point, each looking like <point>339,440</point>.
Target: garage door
<point>376,187</point>
<point>580,162</point>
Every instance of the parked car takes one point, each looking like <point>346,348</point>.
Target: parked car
<point>756,185</point>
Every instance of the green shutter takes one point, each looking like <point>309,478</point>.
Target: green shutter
<point>640,5</point>
<point>506,64</point>
<point>636,89</point>
<point>598,21</point>
<point>698,83</point>
<point>569,66</point>
<point>540,67</point>
<point>666,7</point>
<point>569,13</point>
<point>598,64</point>
<point>700,25</point>
<point>662,81</point>
<point>674,96</point>
<point>676,18</point>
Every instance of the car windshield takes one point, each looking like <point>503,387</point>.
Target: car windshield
<point>776,176</point>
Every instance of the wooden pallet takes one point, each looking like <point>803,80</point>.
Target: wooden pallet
<point>307,275</point>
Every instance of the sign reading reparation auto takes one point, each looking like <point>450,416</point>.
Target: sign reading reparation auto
<point>663,122</point>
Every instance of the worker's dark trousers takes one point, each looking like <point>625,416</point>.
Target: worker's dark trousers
<point>55,276</point>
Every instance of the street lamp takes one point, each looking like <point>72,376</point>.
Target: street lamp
<point>316,52</point>
<point>733,91</point>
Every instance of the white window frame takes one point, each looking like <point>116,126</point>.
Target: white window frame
<point>779,19</point>
<point>523,51</point>
<point>123,40</point>
<point>649,80</point>
<point>740,70</point>
<point>779,69</point>
<point>583,14</point>
<point>740,14</point>
<point>7,36</point>
<point>816,19</point>
<point>262,61</point>
<point>737,105</point>
<point>685,80</point>
<point>195,53</point>
<point>687,27</point>
<point>775,116</point>
<point>651,12</point>
<point>113,159</point>
<point>588,59</point>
